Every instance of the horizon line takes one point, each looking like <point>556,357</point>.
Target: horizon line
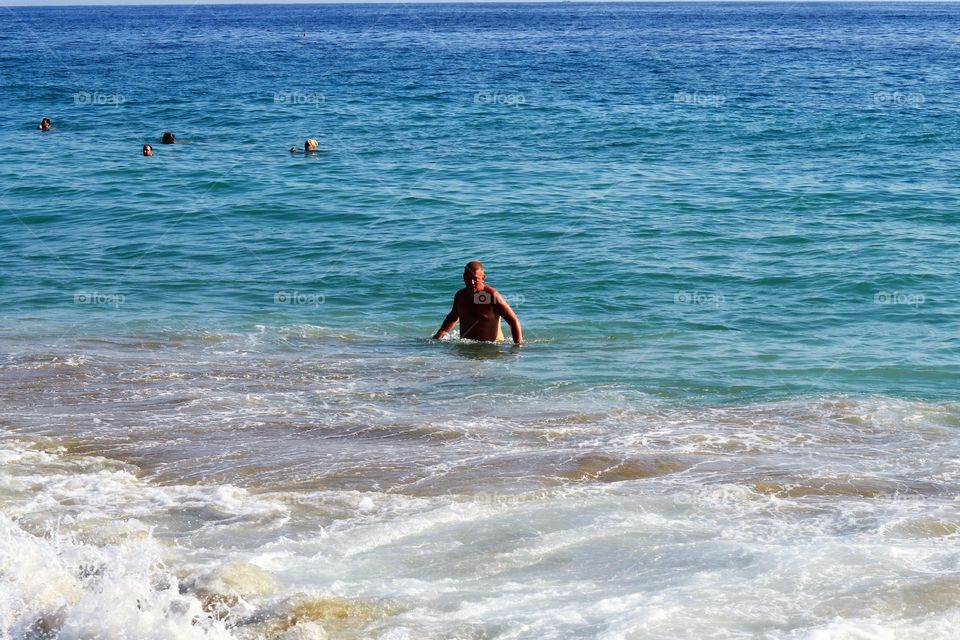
<point>227,3</point>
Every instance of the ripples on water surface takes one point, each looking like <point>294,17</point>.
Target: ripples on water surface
<point>729,231</point>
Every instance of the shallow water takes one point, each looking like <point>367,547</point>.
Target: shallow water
<point>729,232</point>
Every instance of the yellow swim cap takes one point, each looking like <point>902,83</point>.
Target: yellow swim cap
<point>311,143</point>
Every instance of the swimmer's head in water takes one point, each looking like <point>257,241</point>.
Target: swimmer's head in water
<point>168,137</point>
<point>45,124</point>
<point>310,145</point>
<point>473,276</point>
<point>147,150</point>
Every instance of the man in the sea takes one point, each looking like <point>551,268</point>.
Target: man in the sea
<point>478,307</point>
<point>169,137</point>
<point>310,146</point>
<point>45,125</point>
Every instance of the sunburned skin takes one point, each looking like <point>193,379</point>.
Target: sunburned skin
<point>478,308</point>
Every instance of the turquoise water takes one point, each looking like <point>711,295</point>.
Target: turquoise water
<point>729,232</point>
<point>793,164</point>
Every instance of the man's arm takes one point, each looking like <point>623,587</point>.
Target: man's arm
<point>449,322</point>
<point>504,311</point>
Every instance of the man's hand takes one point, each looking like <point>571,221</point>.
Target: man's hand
<point>449,322</point>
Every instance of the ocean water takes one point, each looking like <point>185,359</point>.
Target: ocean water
<point>729,231</point>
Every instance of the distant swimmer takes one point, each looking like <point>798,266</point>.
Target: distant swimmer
<point>45,125</point>
<point>169,138</point>
<point>310,146</point>
<point>478,307</point>
<point>147,150</point>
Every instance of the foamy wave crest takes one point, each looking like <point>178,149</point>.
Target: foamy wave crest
<point>59,586</point>
<point>84,551</point>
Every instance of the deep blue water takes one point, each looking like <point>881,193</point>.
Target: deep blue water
<point>695,201</point>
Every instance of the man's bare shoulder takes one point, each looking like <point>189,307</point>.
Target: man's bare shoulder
<point>495,296</point>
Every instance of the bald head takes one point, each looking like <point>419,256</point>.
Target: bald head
<point>473,276</point>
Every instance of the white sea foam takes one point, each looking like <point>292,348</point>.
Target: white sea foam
<point>800,520</point>
<point>78,555</point>
<point>57,583</point>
